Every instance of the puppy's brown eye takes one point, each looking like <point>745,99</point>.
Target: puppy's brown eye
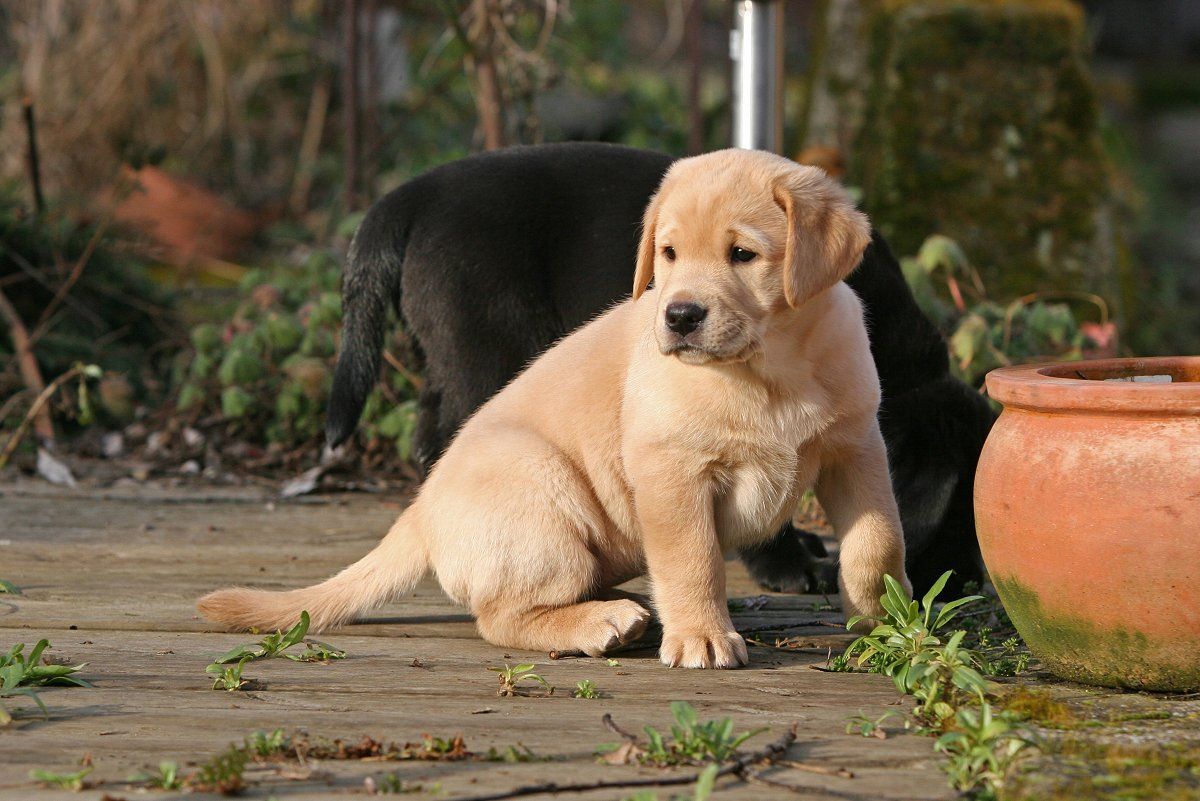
<point>742,255</point>
<point>669,252</point>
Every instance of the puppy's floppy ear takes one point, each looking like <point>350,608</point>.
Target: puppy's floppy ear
<point>826,235</point>
<point>647,248</point>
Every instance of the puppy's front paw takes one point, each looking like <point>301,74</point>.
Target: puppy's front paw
<point>697,649</point>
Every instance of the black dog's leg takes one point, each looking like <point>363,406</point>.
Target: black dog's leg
<point>795,561</point>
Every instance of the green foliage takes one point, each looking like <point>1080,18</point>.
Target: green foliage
<point>693,742</point>
<point>510,677</point>
<point>223,773</point>
<point>8,588</point>
<point>228,677</point>
<point>392,784</point>
<point>268,371</point>
<point>946,680</point>
<point>111,315</point>
<point>984,334</point>
<point>165,777</point>
<point>278,643</point>
<point>64,781</point>
<point>269,647</point>
<point>869,727</point>
<point>20,673</point>
<point>586,689</point>
<point>264,745</point>
<point>513,754</point>
<point>981,749</point>
<point>907,647</point>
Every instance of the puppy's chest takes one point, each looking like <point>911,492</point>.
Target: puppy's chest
<point>759,482</point>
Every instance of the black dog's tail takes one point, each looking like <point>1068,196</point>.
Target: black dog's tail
<point>371,281</point>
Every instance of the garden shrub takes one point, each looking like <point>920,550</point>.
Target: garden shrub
<point>112,315</point>
<point>264,375</point>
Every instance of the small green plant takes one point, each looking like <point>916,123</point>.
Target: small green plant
<point>586,689</point>
<point>439,748</point>
<point>946,680</point>
<point>392,784</point>
<point>513,753</point>
<point>65,781</point>
<point>277,645</point>
<point>693,742</point>
<point>270,647</point>
<point>868,727</point>
<point>228,677</point>
<point>839,663</point>
<point>265,745</point>
<point>981,749</point>
<point>510,677</point>
<point>612,663</point>
<point>907,647</point>
<point>165,777</point>
<point>20,673</point>
<point>8,588</point>
<point>223,773</point>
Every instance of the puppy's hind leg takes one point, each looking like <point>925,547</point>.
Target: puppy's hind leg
<point>535,573</point>
<point>593,627</point>
<point>547,600</point>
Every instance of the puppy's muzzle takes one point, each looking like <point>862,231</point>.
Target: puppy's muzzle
<point>684,318</point>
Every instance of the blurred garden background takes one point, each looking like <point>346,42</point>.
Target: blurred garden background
<point>179,183</point>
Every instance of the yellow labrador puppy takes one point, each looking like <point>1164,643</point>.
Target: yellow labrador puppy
<point>682,423</point>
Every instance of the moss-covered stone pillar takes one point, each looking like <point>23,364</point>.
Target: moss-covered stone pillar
<point>977,119</point>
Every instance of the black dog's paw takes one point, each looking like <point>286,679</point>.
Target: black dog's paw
<point>794,562</point>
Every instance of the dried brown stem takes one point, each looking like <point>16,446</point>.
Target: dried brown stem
<point>31,374</point>
<point>38,408</point>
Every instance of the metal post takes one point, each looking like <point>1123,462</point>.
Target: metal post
<point>756,47</point>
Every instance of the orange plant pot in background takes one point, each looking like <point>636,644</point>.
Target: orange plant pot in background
<point>1087,504</point>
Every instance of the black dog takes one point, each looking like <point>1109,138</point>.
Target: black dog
<point>492,258</point>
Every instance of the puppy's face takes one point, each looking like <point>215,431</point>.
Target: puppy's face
<point>733,239</point>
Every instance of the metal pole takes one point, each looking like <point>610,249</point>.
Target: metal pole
<point>756,47</point>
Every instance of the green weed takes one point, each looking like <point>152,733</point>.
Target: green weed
<point>513,753</point>
<point>868,727</point>
<point>277,645</point>
<point>392,784</point>
<point>981,749</point>
<point>270,647</point>
<point>20,673</point>
<point>511,677</point>
<point>8,588</point>
<point>228,678</point>
<point>693,742</point>
<point>264,745</point>
<point>65,781</point>
<point>907,647</point>
<point>223,773</point>
<point>586,689</point>
<point>165,777</point>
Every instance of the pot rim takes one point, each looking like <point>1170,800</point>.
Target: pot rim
<point>1072,386</point>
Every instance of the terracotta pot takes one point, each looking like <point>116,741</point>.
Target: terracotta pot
<point>1087,502</point>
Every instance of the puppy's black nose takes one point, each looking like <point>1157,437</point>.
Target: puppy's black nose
<point>684,318</point>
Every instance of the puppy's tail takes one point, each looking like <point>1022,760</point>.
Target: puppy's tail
<point>371,282</point>
<point>395,565</point>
